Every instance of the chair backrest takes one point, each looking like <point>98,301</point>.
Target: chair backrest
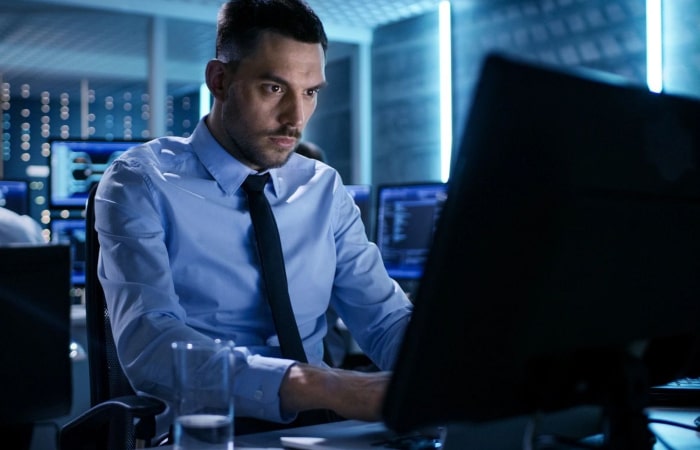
<point>35,372</point>
<point>107,378</point>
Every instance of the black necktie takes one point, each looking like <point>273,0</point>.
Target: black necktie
<point>272,265</point>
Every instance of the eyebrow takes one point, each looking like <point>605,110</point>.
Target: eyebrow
<point>279,80</point>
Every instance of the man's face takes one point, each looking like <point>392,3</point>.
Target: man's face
<point>270,97</point>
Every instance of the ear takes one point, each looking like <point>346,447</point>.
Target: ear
<point>216,79</point>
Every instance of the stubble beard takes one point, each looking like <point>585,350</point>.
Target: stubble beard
<point>246,146</point>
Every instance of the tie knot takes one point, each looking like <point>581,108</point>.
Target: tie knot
<point>255,183</point>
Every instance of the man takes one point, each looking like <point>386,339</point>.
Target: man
<point>178,258</point>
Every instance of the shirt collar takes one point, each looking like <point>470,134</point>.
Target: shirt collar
<point>228,172</point>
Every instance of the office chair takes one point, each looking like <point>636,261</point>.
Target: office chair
<point>118,418</point>
<point>36,371</point>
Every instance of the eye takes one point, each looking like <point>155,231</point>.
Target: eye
<point>312,92</point>
<point>273,88</point>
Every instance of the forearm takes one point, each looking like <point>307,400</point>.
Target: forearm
<point>351,394</point>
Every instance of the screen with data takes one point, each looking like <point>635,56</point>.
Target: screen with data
<point>72,232</point>
<point>405,224</point>
<point>14,195</point>
<point>77,165</point>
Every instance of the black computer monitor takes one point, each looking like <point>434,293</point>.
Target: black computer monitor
<point>14,195</point>
<point>72,233</point>
<point>362,195</point>
<point>565,266</point>
<point>77,165</point>
<point>35,311</point>
<point>406,216</point>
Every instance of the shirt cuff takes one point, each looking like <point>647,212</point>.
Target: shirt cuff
<point>256,388</point>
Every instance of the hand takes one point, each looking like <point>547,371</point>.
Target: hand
<point>350,394</point>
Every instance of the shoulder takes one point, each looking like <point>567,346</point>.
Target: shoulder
<point>156,156</point>
<point>156,150</point>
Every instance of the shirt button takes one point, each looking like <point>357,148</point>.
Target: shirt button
<point>258,395</point>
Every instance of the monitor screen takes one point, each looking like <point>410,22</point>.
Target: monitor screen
<point>405,223</point>
<point>565,257</point>
<point>362,194</point>
<point>72,232</point>
<point>77,165</point>
<point>14,195</point>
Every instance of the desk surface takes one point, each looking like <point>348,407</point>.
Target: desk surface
<point>350,432</point>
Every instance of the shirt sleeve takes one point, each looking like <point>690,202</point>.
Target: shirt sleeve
<point>145,312</point>
<point>372,305</point>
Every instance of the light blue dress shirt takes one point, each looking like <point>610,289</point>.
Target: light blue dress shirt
<point>177,262</point>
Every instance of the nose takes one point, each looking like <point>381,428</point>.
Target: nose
<point>293,113</point>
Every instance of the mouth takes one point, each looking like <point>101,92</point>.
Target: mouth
<point>285,142</point>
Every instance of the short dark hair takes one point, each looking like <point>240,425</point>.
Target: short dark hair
<point>241,22</point>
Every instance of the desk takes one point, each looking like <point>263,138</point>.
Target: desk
<point>677,438</point>
<point>351,434</point>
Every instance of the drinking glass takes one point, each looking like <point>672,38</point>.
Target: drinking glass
<point>203,407</point>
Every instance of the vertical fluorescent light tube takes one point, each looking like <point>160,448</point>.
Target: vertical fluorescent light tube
<point>445,43</point>
<point>654,46</point>
<point>204,100</point>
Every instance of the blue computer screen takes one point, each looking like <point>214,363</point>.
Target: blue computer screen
<point>406,218</point>
<point>14,195</point>
<point>77,165</point>
<point>362,194</point>
<point>72,231</point>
